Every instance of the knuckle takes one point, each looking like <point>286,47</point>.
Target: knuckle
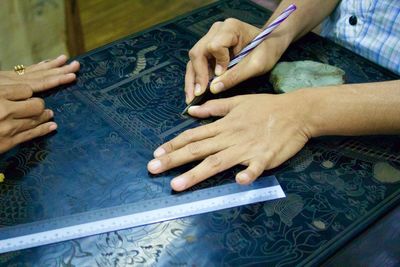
<point>39,104</point>
<point>31,134</point>
<point>210,129</point>
<point>4,112</point>
<point>5,129</point>
<point>233,77</point>
<point>231,21</point>
<point>213,47</point>
<point>41,130</point>
<point>269,156</point>
<point>168,147</point>
<point>192,177</point>
<point>6,92</point>
<point>6,144</point>
<point>213,161</point>
<point>211,103</point>
<point>44,83</point>
<point>216,24</point>
<point>33,123</point>
<point>194,149</point>
<point>26,90</point>
<point>187,136</point>
<point>258,65</point>
<point>194,53</point>
<point>166,160</point>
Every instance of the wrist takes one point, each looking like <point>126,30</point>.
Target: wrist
<point>310,103</point>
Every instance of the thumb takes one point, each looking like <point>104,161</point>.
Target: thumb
<point>213,108</point>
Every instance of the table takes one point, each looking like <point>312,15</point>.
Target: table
<point>336,187</point>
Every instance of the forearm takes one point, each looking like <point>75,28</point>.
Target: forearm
<point>353,109</point>
<point>308,15</point>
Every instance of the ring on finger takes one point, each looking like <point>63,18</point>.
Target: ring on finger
<point>19,69</point>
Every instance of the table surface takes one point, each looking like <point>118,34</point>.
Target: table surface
<point>336,187</point>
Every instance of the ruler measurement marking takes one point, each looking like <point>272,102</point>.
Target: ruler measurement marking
<point>142,218</point>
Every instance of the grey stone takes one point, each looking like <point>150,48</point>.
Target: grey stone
<point>290,76</point>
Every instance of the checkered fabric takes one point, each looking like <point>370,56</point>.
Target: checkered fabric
<point>371,28</point>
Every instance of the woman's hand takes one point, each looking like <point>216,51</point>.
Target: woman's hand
<point>22,118</point>
<point>44,75</point>
<point>259,131</point>
<point>213,52</point>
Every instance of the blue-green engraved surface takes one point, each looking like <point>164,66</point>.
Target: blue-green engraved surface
<point>127,101</point>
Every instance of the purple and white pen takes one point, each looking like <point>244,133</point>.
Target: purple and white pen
<point>253,44</point>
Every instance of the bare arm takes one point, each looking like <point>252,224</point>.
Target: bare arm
<point>354,109</point>
<point>308,15</point>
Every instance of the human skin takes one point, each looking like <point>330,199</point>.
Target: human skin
<point>22,116</point>
<point>262,131</point>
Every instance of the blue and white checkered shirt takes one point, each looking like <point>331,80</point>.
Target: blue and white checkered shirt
<point>371,28</point>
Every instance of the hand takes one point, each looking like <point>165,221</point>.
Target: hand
<point>216,48</point>
<point>22,118</point>
<point>44,75</point>
<point>258,131</point>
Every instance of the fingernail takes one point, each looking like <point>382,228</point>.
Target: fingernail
<point>51,113</point>
<point>61,56</point>
<point>193,108</point>
<point>217,87</point>
<point>154,165</point>
<point>74,62</point>
<point>178,183</point>
<point>218,70</point>
<point>243,178</point>
<point>52,127</point>
<point>197,89</point>
<point>159,152</point>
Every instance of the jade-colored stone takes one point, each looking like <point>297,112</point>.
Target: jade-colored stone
<point>290,76</point>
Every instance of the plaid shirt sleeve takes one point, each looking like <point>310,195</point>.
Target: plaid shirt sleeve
<point>371,28</point>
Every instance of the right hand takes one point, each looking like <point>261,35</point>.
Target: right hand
<point>223,41</point>
<point>22,118</point>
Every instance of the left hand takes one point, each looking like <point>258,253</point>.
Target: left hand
<point>259,131</point>
<point>43,75</point>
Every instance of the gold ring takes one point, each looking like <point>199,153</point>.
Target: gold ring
<point>19,69</point>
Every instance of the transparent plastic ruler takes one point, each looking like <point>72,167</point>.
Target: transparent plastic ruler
<point>130,215</point>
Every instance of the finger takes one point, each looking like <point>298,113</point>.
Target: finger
<point>208,167</point>
<point>245,69</point>
<point>30,123</point>
<point>187,137</point>
<point>51,82</point>
<point>199,57</point>
<point>48,64</point>
<point>201,70</point>
<point>27,108</point>
<point>15,91</point>
<point>189,82</point>
<point>254,170</point>
<point>219,47</point>
<point>38,131</point>
<point>70,68</point>
<point>213,108</point>
<point>191,152</point>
